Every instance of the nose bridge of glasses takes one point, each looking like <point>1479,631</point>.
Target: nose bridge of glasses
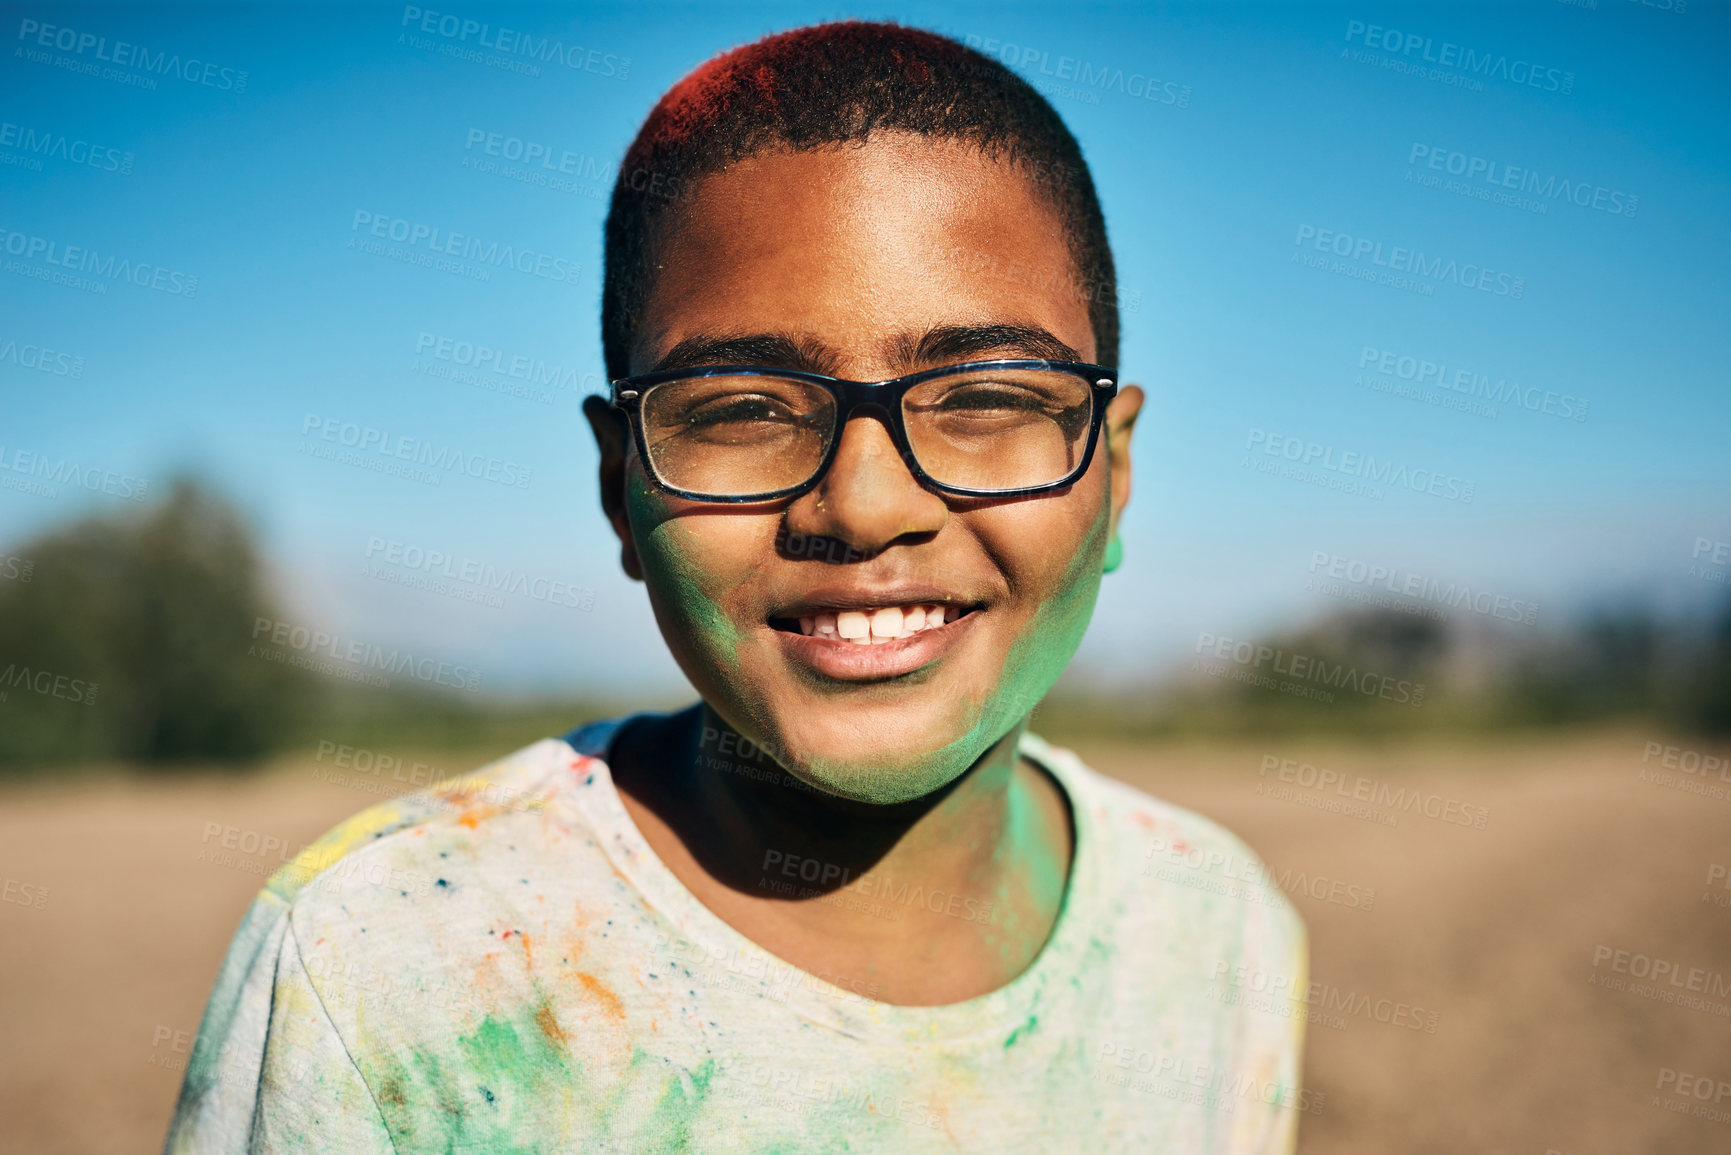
<point>864,396</point>
<point>858,405</point>
<point>867,399</point>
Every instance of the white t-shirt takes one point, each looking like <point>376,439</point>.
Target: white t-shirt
<point>505,964</point>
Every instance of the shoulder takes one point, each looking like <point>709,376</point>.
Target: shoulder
<point>394,832</point>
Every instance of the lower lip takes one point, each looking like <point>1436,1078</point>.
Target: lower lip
<point>851,662</point>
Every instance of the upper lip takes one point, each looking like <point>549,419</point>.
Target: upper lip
<point>835,599</point>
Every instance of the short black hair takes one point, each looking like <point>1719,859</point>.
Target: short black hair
<point>829,84</point>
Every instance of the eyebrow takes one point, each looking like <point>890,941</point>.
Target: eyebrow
<point>942,344</point>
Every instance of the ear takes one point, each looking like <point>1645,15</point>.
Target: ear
<point>612,431</point>
<point>1120,423</point>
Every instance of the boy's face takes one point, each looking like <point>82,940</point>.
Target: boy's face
<point>854,255</point>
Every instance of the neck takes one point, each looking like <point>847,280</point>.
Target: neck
<point>761,824</point>
<point>963,885</point>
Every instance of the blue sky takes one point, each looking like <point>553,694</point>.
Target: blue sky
<point>1293,257</point>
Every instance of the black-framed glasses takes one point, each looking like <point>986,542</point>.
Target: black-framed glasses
<point>741,433</point>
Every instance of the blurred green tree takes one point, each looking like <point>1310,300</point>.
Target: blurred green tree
<point>129,641</point>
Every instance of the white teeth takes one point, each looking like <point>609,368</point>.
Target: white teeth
<point>874,627</point>
<point>852,624</point>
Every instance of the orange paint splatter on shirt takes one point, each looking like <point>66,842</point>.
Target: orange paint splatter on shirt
<point>599,991</point>
<point>549,1025</point>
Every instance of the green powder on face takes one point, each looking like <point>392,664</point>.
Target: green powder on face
<point>672,575</point>
<point>1036,659</point>
<point>1039,656</point>
<point>686,592</point>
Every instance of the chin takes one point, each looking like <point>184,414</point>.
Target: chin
<point>878,785</point>
<point>882,765</point>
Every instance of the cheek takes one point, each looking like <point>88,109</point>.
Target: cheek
<point>686,573</point>
<point>1060,588</point>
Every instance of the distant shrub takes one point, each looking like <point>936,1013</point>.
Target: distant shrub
<point>129,641</point>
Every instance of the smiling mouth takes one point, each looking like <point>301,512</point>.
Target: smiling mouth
<point>873,626</point>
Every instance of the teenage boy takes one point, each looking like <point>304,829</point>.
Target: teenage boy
<point>867,450</point>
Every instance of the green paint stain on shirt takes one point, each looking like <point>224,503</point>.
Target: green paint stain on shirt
<point>669,1127</point>
<point>491,1090</point>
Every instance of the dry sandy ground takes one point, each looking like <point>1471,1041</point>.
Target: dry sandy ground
<point>1488,935</point>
